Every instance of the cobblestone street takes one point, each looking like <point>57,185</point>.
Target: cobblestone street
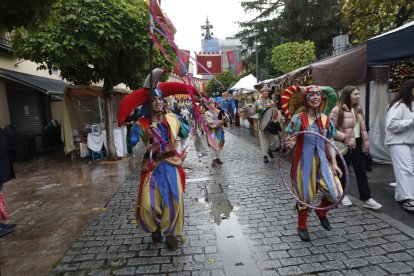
<point>240,220</point>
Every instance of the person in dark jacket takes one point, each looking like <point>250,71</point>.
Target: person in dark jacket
<point>6,174</point>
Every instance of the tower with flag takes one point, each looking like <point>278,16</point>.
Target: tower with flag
<point>218,55</point>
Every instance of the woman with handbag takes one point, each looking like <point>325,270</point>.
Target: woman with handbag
<point>353,142</point>
<point>399,137</point>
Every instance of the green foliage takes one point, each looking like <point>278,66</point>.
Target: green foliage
<point>227,78</point>
<point>293,55</point>
<point>282,21</point>
<point>92,40</point>
<point>371,18</point>
<point>22,13</point>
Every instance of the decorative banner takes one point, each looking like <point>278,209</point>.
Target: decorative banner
<point>162,17</point>
<point>212,62</point>
<point>179,69</point>
<point>235,64</point>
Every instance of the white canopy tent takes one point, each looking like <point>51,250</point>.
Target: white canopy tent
<point>244,87</point>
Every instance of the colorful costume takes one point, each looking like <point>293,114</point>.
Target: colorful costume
<point>216,139</point>
<point>162,183</point>
<point>311,169</point>
<point>160,206</point>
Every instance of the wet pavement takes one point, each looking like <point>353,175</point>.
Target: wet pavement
<point>239,221</point>
<point>379,179</point>
<point>52,200</point>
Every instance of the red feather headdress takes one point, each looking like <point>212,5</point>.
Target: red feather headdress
<point>140,97</point>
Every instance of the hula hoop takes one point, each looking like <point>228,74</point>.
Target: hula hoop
<point>345,173</point>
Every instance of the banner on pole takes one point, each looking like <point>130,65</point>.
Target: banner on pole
<point>213,62</point>
<point>181,69</point>
<point>235,64</point>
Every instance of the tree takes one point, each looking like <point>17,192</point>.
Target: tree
<point>226,78</point>
<point>371,18</point>
<point>293,55</point>
<point>282,21</point>
<point>91,41</point>
<point>22,13</point>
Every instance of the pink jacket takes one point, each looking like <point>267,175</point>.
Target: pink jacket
<point>345,132</point>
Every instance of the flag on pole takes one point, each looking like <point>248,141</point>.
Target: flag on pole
<point>235,64</point>
<point>179,68</point>
<point>213,62</point>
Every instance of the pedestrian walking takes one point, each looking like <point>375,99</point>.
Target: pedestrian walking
<point>267,139</point>
<point>314,166</point>
<point>399,137</point>
<point>160,204</point>
<point>215,139</point>
<point>353,141</point>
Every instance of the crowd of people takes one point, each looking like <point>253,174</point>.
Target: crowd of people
<point>319,139</point>
<point>311,134</point>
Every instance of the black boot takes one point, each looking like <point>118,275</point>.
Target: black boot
<point>325,223</point>
<point>270,153</point>
<point>171,242</point>
<point>266,159</point>
<point>303,234</point>
<point>156,236</point>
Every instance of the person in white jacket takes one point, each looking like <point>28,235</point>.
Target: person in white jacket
<point>399,137</point>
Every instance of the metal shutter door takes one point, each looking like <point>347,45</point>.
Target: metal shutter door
<point>25,107</point>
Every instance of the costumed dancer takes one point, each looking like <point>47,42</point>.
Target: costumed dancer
<point>267,140</point>
<point>160,206</point>
<point>314,165</point>
<point>215,126</point>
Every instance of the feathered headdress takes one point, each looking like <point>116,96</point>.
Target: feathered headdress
<point>140,97</point>
<point>302,91</point>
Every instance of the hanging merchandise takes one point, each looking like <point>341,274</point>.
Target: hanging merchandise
<point>399,72</point>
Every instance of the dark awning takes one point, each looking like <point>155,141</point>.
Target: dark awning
<point>347,68</point>
<point>45,85</point>
<point>392,46</point>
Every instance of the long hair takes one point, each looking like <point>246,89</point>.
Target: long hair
<point>404,94</point>
<point>345,99</point>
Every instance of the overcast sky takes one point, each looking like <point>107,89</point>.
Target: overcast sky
<point>188,15</point>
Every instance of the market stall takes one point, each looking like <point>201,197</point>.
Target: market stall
<point>84,120</point>
<point>347,68</point>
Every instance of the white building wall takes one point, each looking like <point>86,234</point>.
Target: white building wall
<point>7,61</point>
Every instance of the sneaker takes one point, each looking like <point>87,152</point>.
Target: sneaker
<point>346,201</point>
<point>266,159</point>
<point>409,205</point>
<point>171,242</point>
<point>270,153</point>
<point>4,232</point>
<point>371,204</point>
<point>218,161</point>
<point>7,226</point>
<point>393,184</point>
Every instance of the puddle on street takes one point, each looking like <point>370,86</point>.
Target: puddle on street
<point>228,226</point>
